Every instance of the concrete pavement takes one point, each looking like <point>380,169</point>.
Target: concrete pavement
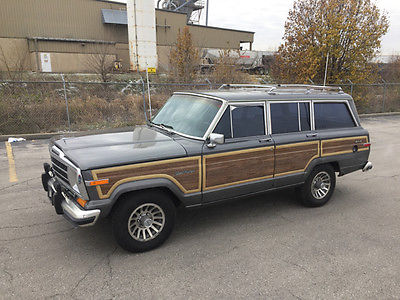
<point>263,247</point>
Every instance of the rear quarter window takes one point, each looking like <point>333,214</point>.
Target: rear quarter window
<point>332,115</point>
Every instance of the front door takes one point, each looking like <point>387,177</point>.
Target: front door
<point>244,164</point>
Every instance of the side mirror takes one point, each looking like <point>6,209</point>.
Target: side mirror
<point>215,139</point>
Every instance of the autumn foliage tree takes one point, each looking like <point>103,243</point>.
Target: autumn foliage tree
<point>349,30</point>
<point>184,57</point>
<point>227,68</point>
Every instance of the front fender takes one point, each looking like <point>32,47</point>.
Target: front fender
<point>190,199</point>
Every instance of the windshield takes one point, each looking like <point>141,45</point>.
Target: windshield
<point>190,115</point>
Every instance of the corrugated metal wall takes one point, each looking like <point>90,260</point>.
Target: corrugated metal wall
<point>78,19</point>
<point>81,19</point>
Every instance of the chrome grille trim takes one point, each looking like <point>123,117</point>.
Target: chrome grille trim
<point>64,169</point>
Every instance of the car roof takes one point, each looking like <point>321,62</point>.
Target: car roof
<point>274,92</point>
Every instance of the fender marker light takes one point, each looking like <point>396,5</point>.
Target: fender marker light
<point>98,182</point>
<point>81,202</point>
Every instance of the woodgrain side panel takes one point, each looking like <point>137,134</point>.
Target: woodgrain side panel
<point>184,172</point>
<point>294,158</point>
<point>229,168</point>
<point>343,145</point>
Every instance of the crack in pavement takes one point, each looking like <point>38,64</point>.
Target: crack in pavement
<point>30,225</point>
<point>17,209</point>
<point>18,183</point>
<point>98,263</point>
<point>35,236</point>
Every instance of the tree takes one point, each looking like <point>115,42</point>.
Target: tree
<point>390,72</point>
<point>227,68</point>
<point>101,62</point>
<point>184,57</point>
<point>14,61</point>
<point>349,30</point>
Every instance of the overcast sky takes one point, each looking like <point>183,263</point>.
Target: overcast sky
<point>267,18</point>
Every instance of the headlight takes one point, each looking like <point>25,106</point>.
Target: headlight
<point>77,183</point>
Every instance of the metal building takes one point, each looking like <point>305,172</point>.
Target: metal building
<point>60,35</point>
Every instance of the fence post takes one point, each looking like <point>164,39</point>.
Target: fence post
<point>66,102</point>
<point>144,97</point>
<point>384,95</point>
<point>351,87</point>
<point>209,82</point>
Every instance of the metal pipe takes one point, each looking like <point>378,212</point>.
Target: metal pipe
<point>184,4</point>
<point>208,2</point>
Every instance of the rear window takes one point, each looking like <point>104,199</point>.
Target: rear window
<point>332,115</point>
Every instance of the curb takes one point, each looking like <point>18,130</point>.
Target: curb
<point>379,115</point>
<point>42,136</point>
<point>49,135</point>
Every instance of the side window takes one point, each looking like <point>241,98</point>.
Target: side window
<point>284,117</point>
<point>332,115</point>
<point>224,125</point>
<point>248,120</point>
<point>305,121</point>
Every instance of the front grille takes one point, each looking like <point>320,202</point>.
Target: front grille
<point>60,169</point>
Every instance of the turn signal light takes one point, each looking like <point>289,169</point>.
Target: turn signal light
<point>81,202</point>
<point>99,182</point>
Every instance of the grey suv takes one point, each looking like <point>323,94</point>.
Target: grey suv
<point>203,147</point>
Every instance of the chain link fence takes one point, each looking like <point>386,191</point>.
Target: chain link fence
<point>58,106</point>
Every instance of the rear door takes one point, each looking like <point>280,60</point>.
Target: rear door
<point>342,137</point>
<point>244,164</point>
<point>296,144</point>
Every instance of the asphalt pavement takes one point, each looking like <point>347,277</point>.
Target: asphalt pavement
<point>266,246</point>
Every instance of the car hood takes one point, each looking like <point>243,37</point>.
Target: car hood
<point>115,149</point>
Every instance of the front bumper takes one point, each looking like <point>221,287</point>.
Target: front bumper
<point>64,203</point>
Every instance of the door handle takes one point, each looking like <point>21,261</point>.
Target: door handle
<point>310,135</point>
<point>266,140</point>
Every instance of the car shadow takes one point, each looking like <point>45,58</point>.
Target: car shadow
<point>190,222</point>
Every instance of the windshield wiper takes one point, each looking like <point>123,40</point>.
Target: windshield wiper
<point>166,126</point>
<point>162,125</point>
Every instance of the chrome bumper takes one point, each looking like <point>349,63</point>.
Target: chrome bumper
<point>368,166</point>
<point>65,206</point>
<point>77,215</point>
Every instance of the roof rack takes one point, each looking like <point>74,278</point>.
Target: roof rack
<point>240,85</point>
<point>272,89</point>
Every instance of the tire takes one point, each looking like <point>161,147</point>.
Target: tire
<point>315,192</point>
<point>152,218</point>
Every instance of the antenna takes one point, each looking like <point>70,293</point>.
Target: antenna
<point>326,68</point>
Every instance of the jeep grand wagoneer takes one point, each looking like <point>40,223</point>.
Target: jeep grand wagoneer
<point>204,147</point>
